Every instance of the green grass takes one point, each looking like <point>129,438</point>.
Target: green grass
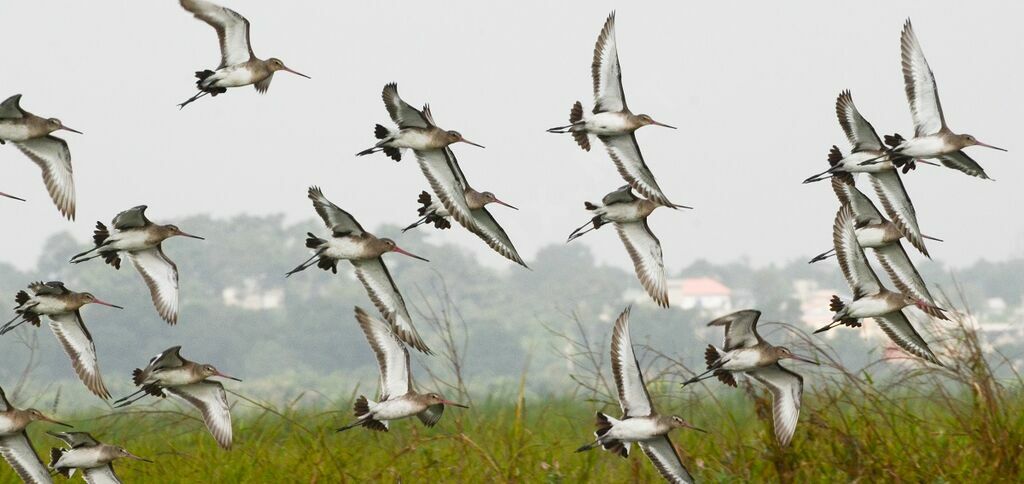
<point>841,437</point>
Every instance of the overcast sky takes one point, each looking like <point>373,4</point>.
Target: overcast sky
<point>751,88</point>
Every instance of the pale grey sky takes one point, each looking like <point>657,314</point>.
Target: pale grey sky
<point>752,88</point>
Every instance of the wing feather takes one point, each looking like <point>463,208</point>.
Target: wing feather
<point>54,159</point>
<point>625,154</point>
<point>645,251</point>
<point>212,401</point>
<point>787,389</point>
<point>232,30</point>
<point>161,276</point>
<point>392,356</point>
<point>633,396</point>
<point>74,337</point>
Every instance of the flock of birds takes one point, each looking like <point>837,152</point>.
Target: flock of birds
<point>858,225</point>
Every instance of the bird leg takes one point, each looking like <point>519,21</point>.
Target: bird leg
<point>192,99</point>
<point>822,256</point>
<point>305,265</point>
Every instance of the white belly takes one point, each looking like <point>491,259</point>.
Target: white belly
<point>173,377</point>
<point>414,139</point>
<point>852,163</point>
<point>869,307</point>
<point>633,430</point>
<point>741,359</point>
<point>607,124</point>
<point>7,426</point>
<point>925,147</point>
<point>393,409</point>
<point>344,248</point>
<point>620,212</point>
<point>14,131</point>
<point>232,76</point>
<point>871,237</point>
<point>129,240</point>
<point>48,305</point>
<point>81,458</point>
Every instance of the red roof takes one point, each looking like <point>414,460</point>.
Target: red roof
<point>703,286</point>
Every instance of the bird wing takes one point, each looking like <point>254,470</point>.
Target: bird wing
<point>336,219</point>
<point>645,251</point>
<point>76,439</point>
<point>960,161</point>
<point>922,93</point>
<point>608,94</point>
<point>211,399</point>
<point>625,153</point>
<point>663,455</point>
<point>623,195</point>
<point>169,358</point>
<point>858,130</point>
<point>54,159</point>
<point>902,272</point>
<point>864,211</point>
<point>70,330</point>
<point>383,292</point>
<point>446,180</point>
<point>896,203</point>
<point>100,475</point>
<point>488,229</point>
<point>897,327</point>
<point>431,415</point>
<point>403,114</point>
<point>633,396</point>
<point>740,329</point>
<point>858,273</point>
<point>52,288</point>
<point>11,107</point>
<point>786,388</point>
<point>133,218</point>
<point>17,450</point>
<point>232,30</point>
<point>161,276</point>
<point>392,356</point>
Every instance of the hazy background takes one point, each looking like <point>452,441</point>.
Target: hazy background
<point>752,89</point>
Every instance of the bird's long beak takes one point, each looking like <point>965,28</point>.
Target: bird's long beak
<point>410,254</point>
<point>2,194</point>
<point>454,404</point>
<point>297,73</point>
<point>229,377</point>
<point>79,132</point>
<point>133,456</point>
<point>48,419</point>
<point>990,146</point>
<point>186,234</point>
<point>803,359</point>
<point>692,427</point>
<point>464,140</point>
<point>931,310</point>
<point>104,303</point>
<point>662,124</point>
<point>505,204</point>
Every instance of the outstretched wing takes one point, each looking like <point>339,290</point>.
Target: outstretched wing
<point>383,291</point>
<point>74,337</point>
<point>645,251</point>
<point>962,162</point>
<point>404,115</point>
<point>608,94</point>
<point>11,107</point>
<point>864,210</point>
<point>633,396</point>
<point>445,177</point>
<point>859,275</point>
<point>232,30</point>
<point>392,357</point>
<point>100,475</point>
<point>17,450</point>
<point>740,329</point>
<point>625,153</point>
<point>336,219</point>
<point>161,276</point>
<point>922,93</point>
<point>663,455</point>
<point>902,272</point>
<point>896,203</point>
<point>211,399</point>
<point>897,327</point>
<point>133,218</point>
<point>490,232</point>
<point>858,130</point>
<point>54,159</point>
<point>431,415</point>
<point>786,388</point>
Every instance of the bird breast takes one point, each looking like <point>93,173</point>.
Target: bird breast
<point>82,458</point>
<point>636,429</point>
<point>130,240</point>
<point>419,139</point>
<point>233,76</point>
<point>608,123</point>
<point>348,248</point>
<point>8,425</point>
<point>174,377</point>
<point>14,130</point>
<point>873,236</point>
<point>395,409</point>
<point>852,163</point>
<point>926,147</point>
<point>49,305</point>
<point>621,212</point>
<point>742,359</point>
<point>871,306</point>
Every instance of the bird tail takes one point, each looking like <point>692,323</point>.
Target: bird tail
<point>137,376</point>
<point>604,424</point>
<point>361,406</point>
<point>100,235</point>
<point>834,155</point>
<point>55,455</point>
<point>21,297</point>
<point>314,242</point>
<point>713,358</point>
<point>894,140</point>
<point>576,117</point>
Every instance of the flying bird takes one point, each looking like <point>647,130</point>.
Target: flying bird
<point>63,307</point>
<point>612,121</point>
<point>432,211</point>
<point>398,397</point>
<point>629,215</point>
<point>85,453</point>
<point>640,423</point>
<point>170,373</point>
<point>15,446</point>
<point>238,66</point>
<point>348,241</point>
<point>932,137</point>
<point>134,235</point>
<point>416,131</point>
<point>33,135</point>
<point>746,352</point>
<point>882,236</point>
<point>870,298</point>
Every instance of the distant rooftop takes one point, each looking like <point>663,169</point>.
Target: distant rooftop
<point>699,286</point>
